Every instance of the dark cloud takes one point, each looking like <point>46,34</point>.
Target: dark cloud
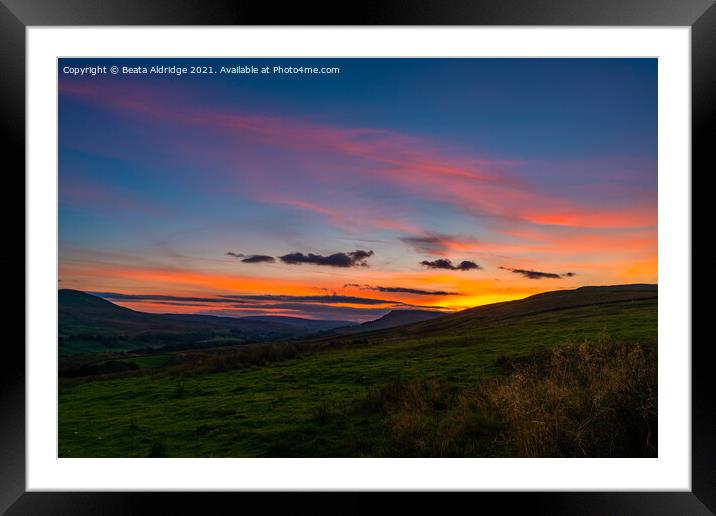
<point>170,303</point>
<point>444,263</point>
<point>252,258</point>
<point>115,296</point>
<point>436,243</point>
<point>311,299</point>
<point>351,259</point>
<point>416,291</point>
<point>248,299</point>
<point>259,258</point>
<point>429,244</point>
<point>538,274</point>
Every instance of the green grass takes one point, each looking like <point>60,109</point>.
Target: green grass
<point>78,347</point>
<point>150,361</point>
<point>310,405</point>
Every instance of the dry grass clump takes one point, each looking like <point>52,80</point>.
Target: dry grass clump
<point>587,400</point>
<point>580,401</point>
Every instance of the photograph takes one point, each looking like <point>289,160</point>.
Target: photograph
<point>357,257</point>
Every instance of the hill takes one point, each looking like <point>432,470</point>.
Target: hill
<point>88,323</point>
<point>79,311</point>
<point>480,316</point>
<point>312,325</point>
<point>391,320</point>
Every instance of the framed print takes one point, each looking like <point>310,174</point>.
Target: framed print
<point>410,250</point>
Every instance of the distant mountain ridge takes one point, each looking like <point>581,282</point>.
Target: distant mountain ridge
<point>392,319</point>
<point>309,324</point>
<point>284,321</point>
<point>82,315</point>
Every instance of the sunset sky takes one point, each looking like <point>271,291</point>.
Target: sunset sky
<point>397,183</point>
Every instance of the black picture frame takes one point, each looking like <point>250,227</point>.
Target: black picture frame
<point>17,15</point>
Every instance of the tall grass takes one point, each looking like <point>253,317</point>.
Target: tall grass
<point>587,400</point>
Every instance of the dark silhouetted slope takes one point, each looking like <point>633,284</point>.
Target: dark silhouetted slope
<point>474,318</point>
<point>85,317</point>
<point>392,319</point>
<point>80,312</point>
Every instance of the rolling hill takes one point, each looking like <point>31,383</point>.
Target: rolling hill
<point>391,320</point>
<point>310,325</point>
<point>473,319</point>
<point>88,323</point>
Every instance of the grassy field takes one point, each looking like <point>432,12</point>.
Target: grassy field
<point>356,396</point>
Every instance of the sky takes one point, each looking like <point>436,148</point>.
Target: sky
<point>438,184</point>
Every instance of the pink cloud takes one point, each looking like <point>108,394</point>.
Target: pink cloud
<point>416,166</point>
